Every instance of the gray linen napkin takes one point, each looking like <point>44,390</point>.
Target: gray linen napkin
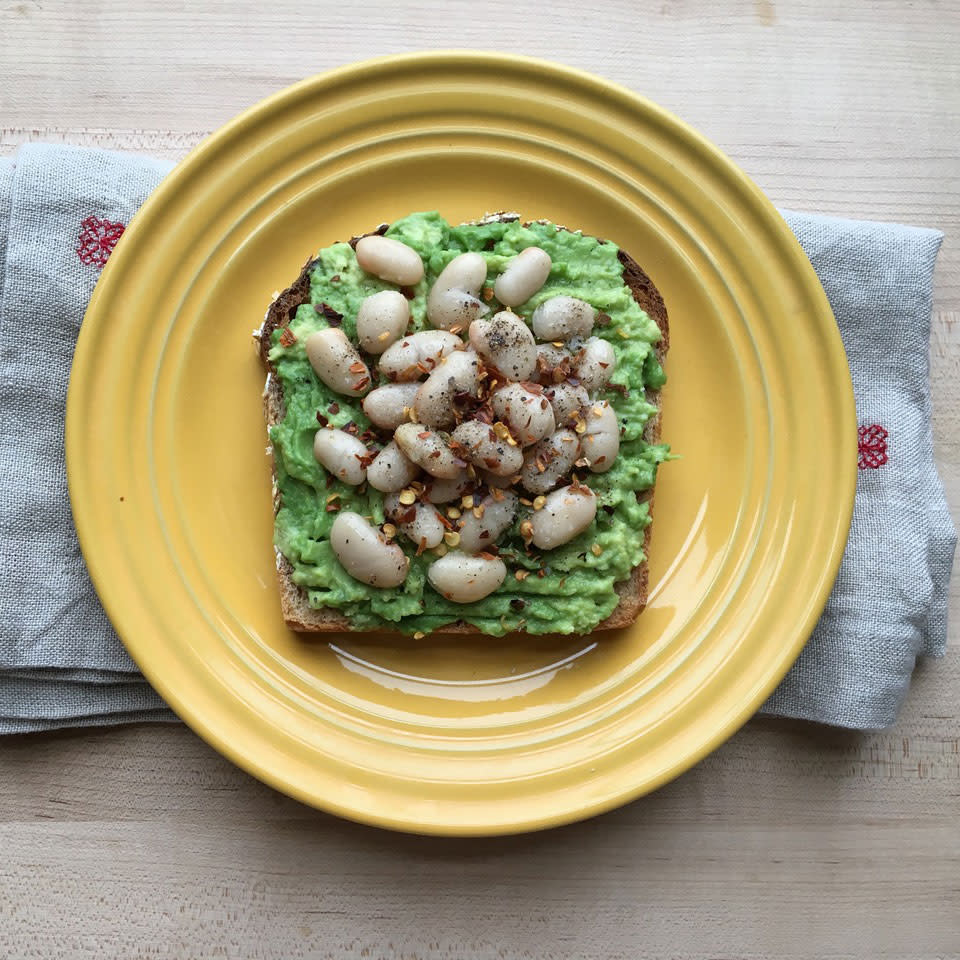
<point>61,664</point>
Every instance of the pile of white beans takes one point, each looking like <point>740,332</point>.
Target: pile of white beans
<point>538,383</point>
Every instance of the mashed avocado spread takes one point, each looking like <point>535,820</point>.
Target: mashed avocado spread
<point>570,589</point>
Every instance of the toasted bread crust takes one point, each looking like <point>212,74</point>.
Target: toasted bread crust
<point>303,618</point>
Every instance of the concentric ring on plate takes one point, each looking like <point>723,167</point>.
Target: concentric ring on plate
<point>459,736</point>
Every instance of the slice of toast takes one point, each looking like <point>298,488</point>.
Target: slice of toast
<point>297,613</point>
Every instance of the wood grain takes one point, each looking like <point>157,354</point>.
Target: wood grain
<point>791,841</point>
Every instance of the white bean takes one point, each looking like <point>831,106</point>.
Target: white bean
<point>553,363</point>
<point>555,455</point>
<point>524,275</point>
<point>389,260</point>
<point>444,491</point>
<point>427,450</point>
<point>336,362</point>
<point>456,310</point>
<point>364,552</point>
<point>528,414</point>
<point>342,454</point>
<point>600,442</point>
<point>386,405</point>
<point>506,342</point>
<point>566,513</point>
<point>391,470</point>
<point>434,402</point>
<point>566,400</point>
<point>478,534</point>
<point>423,527</point>
<point>382,319</point>
<point>464,579</point>
<point>415,356</point>
<point>454,298</point>
<point>561,318</point>
<point>596,362</point>
<point>483,448</point>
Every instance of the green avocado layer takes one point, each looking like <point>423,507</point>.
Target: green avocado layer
<point>577,591</point>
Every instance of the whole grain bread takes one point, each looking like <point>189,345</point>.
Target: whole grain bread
<point>303,618</point>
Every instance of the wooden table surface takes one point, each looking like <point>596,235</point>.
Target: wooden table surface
<point>791,841</point>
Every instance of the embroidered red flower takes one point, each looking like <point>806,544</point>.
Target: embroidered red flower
<point>872,446</point>
<point>97,239</point>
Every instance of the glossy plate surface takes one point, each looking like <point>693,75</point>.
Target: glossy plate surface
<point>171,488</point>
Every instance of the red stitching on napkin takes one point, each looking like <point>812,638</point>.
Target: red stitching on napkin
<point>97,239</point>
<point>872,446</point>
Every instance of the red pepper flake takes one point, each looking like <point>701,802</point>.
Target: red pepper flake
<point>603,319</point>
<point>334,408</point>
<point>333,506</point>
<point>361,383</point>
<point>408,292</point>
<point>357,367</point>
<point>334,317</point>
<point>421,546</point>
<point>321,419</point>
<point>287,338</point>
<point>423,434</point>
<point>335,278</point>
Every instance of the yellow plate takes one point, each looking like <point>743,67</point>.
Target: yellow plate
<point>171,488</point>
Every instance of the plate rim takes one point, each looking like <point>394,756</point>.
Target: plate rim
<point>835,359</point>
